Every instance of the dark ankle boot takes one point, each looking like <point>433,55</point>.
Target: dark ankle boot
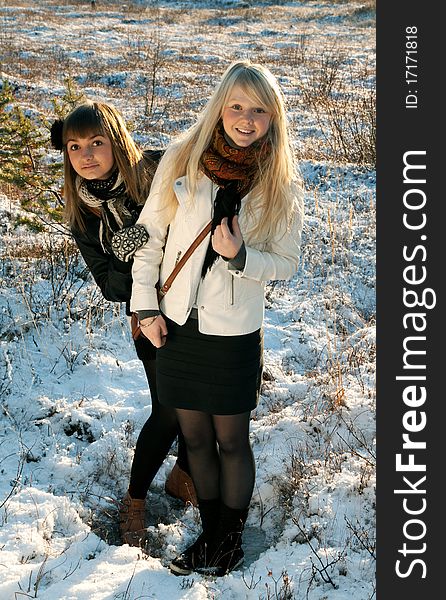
<point>196,555</point>
<point>225,550</point>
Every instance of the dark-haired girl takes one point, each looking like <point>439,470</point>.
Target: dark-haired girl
<point>107,179</point>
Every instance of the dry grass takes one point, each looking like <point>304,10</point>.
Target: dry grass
<point>166,60</point>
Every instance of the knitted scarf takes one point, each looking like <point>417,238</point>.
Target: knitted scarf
<point>234,171</point>
<point>110,197</point>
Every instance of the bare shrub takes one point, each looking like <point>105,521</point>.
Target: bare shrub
<point>278,588</point>
<point>53,259</point>
<point>344,107</point>
<point>293,481</point>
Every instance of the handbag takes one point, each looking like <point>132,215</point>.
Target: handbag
<point>162,291</point>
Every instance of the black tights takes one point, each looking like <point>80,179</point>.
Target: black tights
<point>220,456</point>
<point>154,441</point>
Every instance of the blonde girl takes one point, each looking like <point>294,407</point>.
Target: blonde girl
<point>234,166</point>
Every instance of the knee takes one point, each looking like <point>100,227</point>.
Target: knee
<point>233,445</point>
<point>197,442</point>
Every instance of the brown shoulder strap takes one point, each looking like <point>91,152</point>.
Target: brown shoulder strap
<point>180,264</point>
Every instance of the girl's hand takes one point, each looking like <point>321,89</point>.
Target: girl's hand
<point>155,330</point>
<point>224,242</point>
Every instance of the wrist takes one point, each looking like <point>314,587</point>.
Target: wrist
<point>144,314</point>
<point>148,321</point>
<point>233,254</point>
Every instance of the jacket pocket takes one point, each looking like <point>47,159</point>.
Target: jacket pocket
<point>241,289</point>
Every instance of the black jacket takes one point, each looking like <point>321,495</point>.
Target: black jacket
<point>113,276</point>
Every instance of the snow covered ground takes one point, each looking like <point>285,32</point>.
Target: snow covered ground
<point>73,393</point>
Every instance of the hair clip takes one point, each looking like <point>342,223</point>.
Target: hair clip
<point>56,134</point>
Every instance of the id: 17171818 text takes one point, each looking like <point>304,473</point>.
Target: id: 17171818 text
<point>412,66</point>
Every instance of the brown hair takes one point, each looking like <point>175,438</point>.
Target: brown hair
<point>136,169</point>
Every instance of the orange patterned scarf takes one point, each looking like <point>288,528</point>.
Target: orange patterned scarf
<point>223,163</point>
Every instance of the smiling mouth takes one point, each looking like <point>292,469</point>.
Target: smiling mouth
<point>244,131</point>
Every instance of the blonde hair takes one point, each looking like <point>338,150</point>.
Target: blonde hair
<point>272,185</point>
<point>90,118</point>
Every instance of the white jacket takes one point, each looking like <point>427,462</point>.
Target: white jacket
<point>229,302</point>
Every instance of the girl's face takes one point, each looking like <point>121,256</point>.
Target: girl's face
<point>244,121</point>
<point>91,157</point>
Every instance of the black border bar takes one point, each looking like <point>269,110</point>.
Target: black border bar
<point>411,258</point>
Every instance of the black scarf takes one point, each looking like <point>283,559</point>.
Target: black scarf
<point>226,204</point>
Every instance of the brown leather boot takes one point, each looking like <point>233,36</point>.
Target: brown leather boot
<point>131,520</point>
<point>180,485</point>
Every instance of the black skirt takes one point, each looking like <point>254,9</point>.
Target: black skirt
<point>145,350</point>
<point>219,375</point>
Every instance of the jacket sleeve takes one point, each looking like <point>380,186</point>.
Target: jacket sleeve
<point>281,260</point>
<point>147,259</point>
<point>113,276</point>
